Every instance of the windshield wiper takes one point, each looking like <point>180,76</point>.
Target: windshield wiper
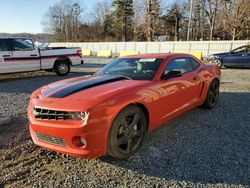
<point>121,75</point>
<point>106,74</point>
<point>99,74</point>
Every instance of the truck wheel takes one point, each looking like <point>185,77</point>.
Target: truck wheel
<point>62,68</point>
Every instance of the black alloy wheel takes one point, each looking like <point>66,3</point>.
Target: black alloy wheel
<point>212,95</point>
<point>127,133</point>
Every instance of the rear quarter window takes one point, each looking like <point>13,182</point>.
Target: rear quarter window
<point>184,64</point>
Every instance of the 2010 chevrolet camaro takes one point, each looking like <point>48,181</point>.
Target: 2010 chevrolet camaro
<point>111,111</point>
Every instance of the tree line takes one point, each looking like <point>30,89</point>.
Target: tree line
<point>149,20</point>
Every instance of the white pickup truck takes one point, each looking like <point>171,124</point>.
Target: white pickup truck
<point>21,55</point>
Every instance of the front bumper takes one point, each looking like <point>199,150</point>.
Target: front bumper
<point>57,135</point>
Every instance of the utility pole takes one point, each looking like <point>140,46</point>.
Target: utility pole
<point>190,19</point>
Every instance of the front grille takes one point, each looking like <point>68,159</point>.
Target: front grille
<point>50,139</point>
<point>45,114</point>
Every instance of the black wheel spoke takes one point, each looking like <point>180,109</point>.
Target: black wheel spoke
<point>129,145</point>
<point>213,93</point>
<point>135,119</point>
<point>122,140</point>
<point>127,133</point>
<point>138,133</point>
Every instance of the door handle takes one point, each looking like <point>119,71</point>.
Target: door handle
<point>33,55</point>
<point>6,55</point>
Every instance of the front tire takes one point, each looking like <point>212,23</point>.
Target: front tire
<point>62,68</point>
<point>218,62</point>
<point>127,133</point>
<point>212,95</point>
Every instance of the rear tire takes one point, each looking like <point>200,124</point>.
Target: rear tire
<point>127,133</point>
<point>62,68</point>
<point>212,95</point>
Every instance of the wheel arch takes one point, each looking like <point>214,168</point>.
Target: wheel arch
<point>139,105</point>
<point>62,58</point>
<point>217,79</point>
<point>221,60</point>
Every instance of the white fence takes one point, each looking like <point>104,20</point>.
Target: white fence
<point>206,47</point>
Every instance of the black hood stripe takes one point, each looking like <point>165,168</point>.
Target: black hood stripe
<point>86,84</point>
<point>62,85</point>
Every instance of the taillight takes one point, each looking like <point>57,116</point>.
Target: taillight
<point>79,53</point>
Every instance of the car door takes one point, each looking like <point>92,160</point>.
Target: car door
<point>181,92</point>
<point>245,60</point>
<point>25,56</point>
<point>6,62</point>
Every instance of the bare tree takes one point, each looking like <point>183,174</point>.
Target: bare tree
<point>101,13</point>
<point>211,12</point>
<point>101,10</point>
<point>153,11</point>
<point>198,20</point>
<point>63,19</point>
<point>239,16</point>
<point>190,19</point>
<point>146,20</point>
<point>139,20</point>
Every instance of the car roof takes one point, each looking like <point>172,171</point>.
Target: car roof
<point>158,55</point>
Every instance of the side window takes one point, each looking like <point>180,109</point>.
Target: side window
<point>21,45</point>
<point>183,64</point>
<point>240,49</point>
<point>194,63</point>
<point>3,45</point>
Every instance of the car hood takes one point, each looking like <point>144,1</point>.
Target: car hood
<point>221,54</point>
<point>72,94</point>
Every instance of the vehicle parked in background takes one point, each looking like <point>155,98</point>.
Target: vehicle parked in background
<point>21,55</point>
<point>111,111</point>
<point>237,58</point>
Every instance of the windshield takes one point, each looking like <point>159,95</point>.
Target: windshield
<point>240,49</point>
<point>134,68</point>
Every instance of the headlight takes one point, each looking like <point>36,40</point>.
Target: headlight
<point>211,57</point>
<point>80,116</point>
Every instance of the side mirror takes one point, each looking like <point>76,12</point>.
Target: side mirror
<point>172,74</point>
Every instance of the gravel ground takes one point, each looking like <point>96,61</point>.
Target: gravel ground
<point>202,148</point>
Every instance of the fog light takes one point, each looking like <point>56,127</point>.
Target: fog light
<point>78,141</point>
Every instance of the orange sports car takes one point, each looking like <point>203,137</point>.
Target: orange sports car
<point>111,111</point>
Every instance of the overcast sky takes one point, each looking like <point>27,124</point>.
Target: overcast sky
<point>18,16</point>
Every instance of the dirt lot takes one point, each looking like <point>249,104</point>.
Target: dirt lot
<point>201,148</point>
